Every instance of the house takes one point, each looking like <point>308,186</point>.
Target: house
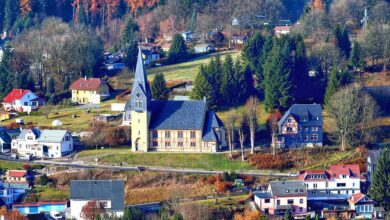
<point>340,182</point>
<point>45,143</point>
<point>5,142</point>
<point>29,208</point>
<point>114,62</point>
<point>238,39</point>
<point>90,91</point>
<point>9,194</point>
<point>204,48</point>
<point>22,100</point>
<point>300,126</point>
<point>281,30</point>
<point>337,213</point>
<point>185,126</point>
<point>182,87</point>
<point>281,196</point>
<point>372,161</point>
<point>189,36</point>
<point>108,193</point>
<point>150,54</point>
<point>7,116</point>
<point>379,213</point>
<point>17,176</point>
<point>107,117</point>
<point>362,204</point>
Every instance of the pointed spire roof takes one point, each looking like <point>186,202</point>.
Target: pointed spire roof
<point>140,78</point>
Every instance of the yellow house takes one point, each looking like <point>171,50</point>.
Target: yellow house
<point>177,126</point>
<point>90,91</point>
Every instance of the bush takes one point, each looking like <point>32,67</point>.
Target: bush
<point>43,180</point>
<point>229,176</point>
<point>211,179</point>
<point>268,161</point>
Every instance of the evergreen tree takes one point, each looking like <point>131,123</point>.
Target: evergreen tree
<point>253,49</point>
<point>337,79</point>
<point>276,80</point>
<point>203,88</point>
<point>159,88</point>
<point>380,186</point>
<point>129,42</point>
<point>227,85</point>
<point>67,83</point>
<point>356,58</point>
<point>81,15</point>
<point>267,47</point>
<point>178,50</point>
<point>50,89</point>
<point>2,4</point>
<point>11,13</point>
<point>240,83</point>
<point>214,74</point>
<point>342,39</point>
<point>288,215</point>
<point>30,83</point>
<point>6,77</point>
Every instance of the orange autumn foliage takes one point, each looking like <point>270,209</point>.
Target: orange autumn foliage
<point>248,215</point>
<point>136,4</point>
<point>11,215</point>
<point>25,6</point>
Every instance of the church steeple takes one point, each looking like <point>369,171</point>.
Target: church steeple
<point>140,94</point>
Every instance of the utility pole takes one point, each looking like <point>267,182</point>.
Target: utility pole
<point>365,19</point>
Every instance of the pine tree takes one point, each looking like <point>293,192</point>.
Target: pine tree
<point>178,50</point>
<point>30,83</point>
<point>288,215</point>
<point>227,85</point>
<point>11,13</point>
<point>129,42</point>
<point>380,186</point>
<point>240,87</point>
<point>67,83</point>
<point>267,47</point>
<point>253,49</point>
<point>342,39</point>
<point>203,88</point>
<point>214,75</point>
<point>50,90</point>
<point>2,4</point>
<point>276,80</point>
<point>159,88</point>
<point>337,79</point>
<point>5,72</point>
<point>356,58</point>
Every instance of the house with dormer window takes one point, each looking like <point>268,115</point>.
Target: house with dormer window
<point>340,181</point>
<point>300,126</point>
<point>362,204</point>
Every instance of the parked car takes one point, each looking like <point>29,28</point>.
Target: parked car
<point>14,157</point>
<point>27,157</point>
<point>56,215</point>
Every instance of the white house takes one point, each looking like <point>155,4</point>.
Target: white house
<point>22,100</point>
<point>9,194</point>
<point>204,48</point>
<point>150,54</point>
<point>339,182</point>
<point>46,143</point>
<point>108,194</point>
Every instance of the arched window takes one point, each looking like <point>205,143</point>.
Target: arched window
<point>138,102</point>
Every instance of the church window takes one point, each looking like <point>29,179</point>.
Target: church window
<point>167,134</point>
<point>193,144</point>
<point>167,144</point>
<point>179,134</point>
<point>193,134</point>
<point>139,132</point>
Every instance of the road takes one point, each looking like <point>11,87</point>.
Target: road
<point>78,164</point>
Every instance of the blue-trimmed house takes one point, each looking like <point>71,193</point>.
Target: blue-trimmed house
<point>300,126</point>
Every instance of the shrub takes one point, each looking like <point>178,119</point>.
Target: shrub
<point>43,180</point>
<point>229,176</point>
<point>268,161</point>
<point>211,179</point>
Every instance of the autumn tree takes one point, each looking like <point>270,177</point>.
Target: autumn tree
<point>251,109</point>
<point>241,133</point>
<point>25,6</point>
<point>92,210</point>
<point>272,122</point>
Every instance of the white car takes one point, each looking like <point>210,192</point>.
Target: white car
<point>55,215</point>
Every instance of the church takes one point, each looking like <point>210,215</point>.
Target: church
<point>177,126</point>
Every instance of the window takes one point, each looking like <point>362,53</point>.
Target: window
<point>139,132</point>
<point>314,129</point>
<point>300,209</point>
<point>314,137</point>
<point>193,144</point>
<point>155,144</point>
<point>289,120</point>
<point>338,192</point>
<point>25,103</point>
<point>179,134</point>
<point>167,144</point>
<point>301,201</point>
<point>155,134</point>
<point>287,190</point>
<point>353,184</point>
<point>306,137</point>
<point>306,129</point>
<point>267,200</point>
<point>301,190</point>
<point>289,129</point>
<point>290,201</point>
<point>180,144</point>
<point>314,185</point>
<point>344,176</point>
<point>313,192</point>
<point>278,202</point>
<point>341,184</point>
<point>326,184</point>
<point>327,192</point>
<point>67,138</point>
<point>193,134</point>
<point>167,134</point>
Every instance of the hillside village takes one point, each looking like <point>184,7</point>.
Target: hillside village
<point>170,109</point>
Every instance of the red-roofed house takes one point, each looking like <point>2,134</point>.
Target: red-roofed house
<point>89,91</point>
<point>362,204</point>
<point>22,100</point>
<point>339,182</point>
<point>17,176</point>
<point>281,30</point>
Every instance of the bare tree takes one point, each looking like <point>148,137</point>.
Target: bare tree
<point>251,108</point>
<point>231,118</point>
<point>241,133</point>
<point>369,111</point>
<point>272,121</point>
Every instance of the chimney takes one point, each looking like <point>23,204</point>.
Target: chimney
<point>204,99</point>
<point>85,77</point>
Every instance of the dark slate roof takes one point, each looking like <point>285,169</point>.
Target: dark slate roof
<point>99,190</point>
<point>262,194</point>
<point>178,115</point>
<point>290,188</point>
<point>212,121</point>
<point>5,137</point>
<point>311,112</point>
<point>374,156</point>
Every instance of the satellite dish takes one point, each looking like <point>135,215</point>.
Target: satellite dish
<point>56,123</point>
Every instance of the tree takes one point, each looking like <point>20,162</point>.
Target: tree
<point>288,215</point>
<point>342,40</point>
<point>379,188</point>
<point>337,79</point>
<point>251,107</point>
<point>67,83</point>
<point>373,43</point>
<point>231,119</point>
<point>50,90</point>
<point>202,88</point>
<point>276,79</point>
<point>253,49</point>
<point>241,134</point>
<point>92,210</point>
<point>159,88</point>
<point>272,122</point>
<point>227,86</point>
<point>356,58</point>
<point>178,50</point>
<point>369,111</point>
<point>43,180</point>
<point>130,42</point>
<point>11,12</point>
<point>30,83</point>
<point>345,108</point>
<point>81,15</point>
<point>133,214</point>
<point>267,47</point>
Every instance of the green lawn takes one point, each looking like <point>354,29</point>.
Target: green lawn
<point>186,71</point>
<point>48,193</point>
<point>9,165</point>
